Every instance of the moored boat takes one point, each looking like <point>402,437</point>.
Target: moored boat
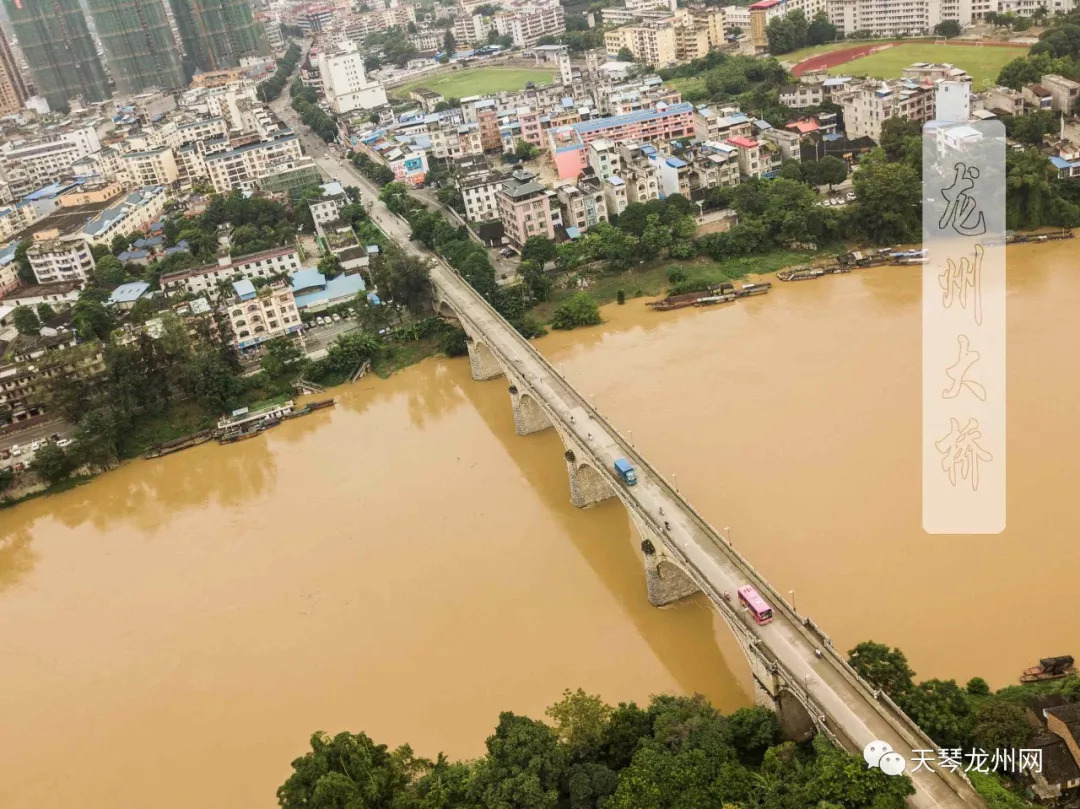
<point>1049,668</point>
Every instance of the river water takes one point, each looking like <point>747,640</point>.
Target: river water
<point>405,565</point>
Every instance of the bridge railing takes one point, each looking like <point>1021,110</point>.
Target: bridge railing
<point>883,705</point>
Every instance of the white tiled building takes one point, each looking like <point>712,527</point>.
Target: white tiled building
<point>243,166</point>
<point>345,83</point>
<point>260,315</point>
<point>56,260</point>
<point>204,280</point>
<point>153,167</point>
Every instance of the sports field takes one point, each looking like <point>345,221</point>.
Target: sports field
<point>982,62</point>
<point>463,83</point>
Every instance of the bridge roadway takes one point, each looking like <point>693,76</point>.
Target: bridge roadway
<point>839,703</point>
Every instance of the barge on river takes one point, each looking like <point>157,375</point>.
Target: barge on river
<point>717,293</point>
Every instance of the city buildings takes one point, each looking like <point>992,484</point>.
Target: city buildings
<point>524,208</point>
<point>138,43</point>
<point>56,42</point>
<point>153,167</point>
<point>568,144</point>
<point>134,212</point>
<point>525,24</point>
<point>480,194</point>
<point>652,43</point>
<point>764,11</point>
<point>13,92</point>
<point>244,166</point>
<point>54,260</point>
<point>258,315</point>
<point>345,83</point>
<point>868,104</point>
<point>218,33</point>
<point>205,280</point>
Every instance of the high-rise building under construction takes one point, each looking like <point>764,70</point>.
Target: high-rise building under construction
<point>138,42</point>
<point>217,34</point>
<point>13,93</point>
<point>59,50</point>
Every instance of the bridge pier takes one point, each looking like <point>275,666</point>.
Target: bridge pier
<point>529,416</point>
<point>665,582</point>
<point>482,362</point>
<point>587,486</point>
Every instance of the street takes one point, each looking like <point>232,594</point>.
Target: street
<point>25,438</point>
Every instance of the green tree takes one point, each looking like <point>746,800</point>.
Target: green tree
<point>108,271</point>
<point>947,28</point>
<point>348,770</point>
<point>578,310</point>
<point>941,708</point>
<point>978,687</point>
<point>119,244</point>
<point>90,317</point>
<point>754,729</point>
<point>449,42</point>
<point>97,438</point>
<point>330,265</point>
<point>523,767</point>
<point>998,725</point>
<point>624,55</point>
<point>403,279</point>
<point>26,272</point>
<point>882,667</point>
<point>279,355</point>
<point>539,249</point>
<point>525,150</point>
<point>45,312</point>
<point>210,381</point>
<point>820,30</point>
<point>889,199</point>
<point>580,721</point>
<point>52,463</point>
<point>26,322</point>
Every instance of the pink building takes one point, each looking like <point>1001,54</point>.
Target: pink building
<point>530,126</point>
<point>524,208</point>
<point>569,144</point>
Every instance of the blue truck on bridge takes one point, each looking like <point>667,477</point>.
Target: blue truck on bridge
<point>624,470</point>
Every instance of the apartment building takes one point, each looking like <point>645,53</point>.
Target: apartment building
<point>906,17</point>
<point>345,83</point>
<point>736,17</point>
<point>258,315</point>
<point>666,122</point>
<point>765,11</point>
<point>583,204</point>
<point>691,41</point>
<point>1004,100</point>
<point>358,26</point>
<point>639,169</point>
<point>868,104</point>
<point>13,90</point>
<point>470,29</point>
<point>205,280</point>
<point>480,193</point>
<point>524,208</point>
<point>711,20</point>
<point>804,94</point>
<point>526,24</point>
<point>134,212</point>
<point>243,166</point>
<point>603,157</point>
<point>1063,92</point>
<point>719,124</point>
<point>9,269</point>
<point>455,141</point>
<point>652,43</point>
<point>327,207</point>
<point>153,167</point>
<point>55,260</point>
<point>24,384</point>
<point>44,159</point>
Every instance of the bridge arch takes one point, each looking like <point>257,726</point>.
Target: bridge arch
<point>529,415</point>
<point>482,361</point>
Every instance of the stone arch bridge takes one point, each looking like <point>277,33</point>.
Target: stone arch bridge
<point>796,671</point>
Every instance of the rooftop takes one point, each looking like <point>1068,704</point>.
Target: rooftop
<point>127,293</point>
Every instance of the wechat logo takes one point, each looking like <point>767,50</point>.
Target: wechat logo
<point>880,754</point>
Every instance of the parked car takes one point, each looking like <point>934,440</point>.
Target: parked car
<point>508,252</point>
<point>65,442</point>
<point>320,320</point>
<point>337,317</point>
<point>16,450</point>
<point>35,446</point>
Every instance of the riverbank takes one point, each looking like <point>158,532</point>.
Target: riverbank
<point>654,279</point>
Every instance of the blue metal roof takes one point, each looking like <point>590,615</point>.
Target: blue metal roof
<point>153,241</point>
<point>127,293</point>
<point>339,288</point>
<point>1060,162</point>
<point>573,233</point>
<point>244,289</point>
<point>133,255</point>
<point>307,278</point>
<point>633,118</point>
<point>675,163</point>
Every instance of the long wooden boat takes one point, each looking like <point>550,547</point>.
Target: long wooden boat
<point>748,290</point>
<point>178,444</point>
<point>711,300</point>
<point>676,301</point>
<point>800,273</point>
<point>241,435</point>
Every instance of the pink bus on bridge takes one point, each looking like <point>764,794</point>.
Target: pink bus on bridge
<point>757,605</point>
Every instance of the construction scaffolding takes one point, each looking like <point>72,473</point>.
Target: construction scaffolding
<point>139,45</point>
<point>217,34</point>
<point>59,50</point>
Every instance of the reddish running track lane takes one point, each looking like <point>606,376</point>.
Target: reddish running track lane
<point>824,61</point>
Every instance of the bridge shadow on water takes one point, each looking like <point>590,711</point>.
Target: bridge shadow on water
<point>688,637</point>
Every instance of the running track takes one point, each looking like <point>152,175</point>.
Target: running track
<point>824,61</point>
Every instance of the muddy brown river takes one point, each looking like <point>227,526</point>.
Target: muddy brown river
<point>404,564</point>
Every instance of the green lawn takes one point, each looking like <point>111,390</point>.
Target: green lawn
<point>688,84</point>
<point>477,81</point>
<point>983,63</point>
